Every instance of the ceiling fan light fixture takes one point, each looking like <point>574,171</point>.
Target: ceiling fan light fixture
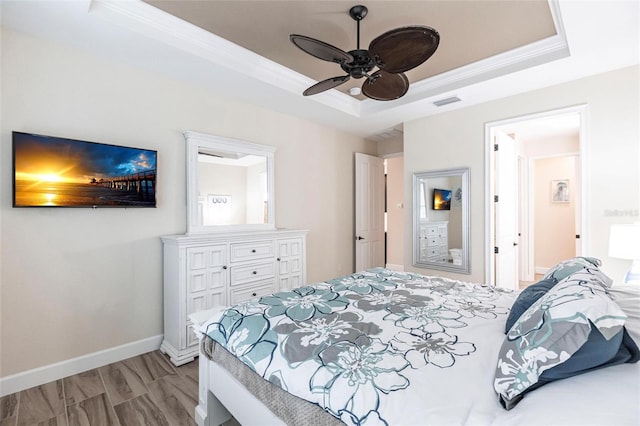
<point>392,53</point>
<point>355,91</point>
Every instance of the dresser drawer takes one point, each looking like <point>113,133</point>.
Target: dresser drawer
<point>241,294</point>
<point>251,251</point>
<point>439,251</point>
<point>431,231</point>
<point>433,241</point>
<point>432,251</point>
<point>243,274</point>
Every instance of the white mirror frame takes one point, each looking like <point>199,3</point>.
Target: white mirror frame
<point>195,142</point>
<point>464,267</point>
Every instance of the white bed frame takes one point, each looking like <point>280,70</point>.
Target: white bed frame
<point>221,396</point>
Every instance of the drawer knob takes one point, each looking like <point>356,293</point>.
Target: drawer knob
<point>278,259</point>
<point>254,294</point>
<point>253,250</point>
<point>255,272</point>
<point>224,267</point>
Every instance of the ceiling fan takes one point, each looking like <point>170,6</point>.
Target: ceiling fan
<point>393,53</point>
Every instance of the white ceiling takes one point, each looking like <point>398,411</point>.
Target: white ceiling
<point>591,37</point>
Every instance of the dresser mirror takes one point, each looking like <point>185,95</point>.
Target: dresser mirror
<point>229,184</point>
<point>441,220</point>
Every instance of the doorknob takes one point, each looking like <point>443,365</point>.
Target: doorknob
<point>359,238</point>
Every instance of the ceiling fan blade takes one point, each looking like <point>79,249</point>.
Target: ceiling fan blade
<point>327,84</point>
<point>385,86</point>
<point>320,49</point>
<point>404,48</point>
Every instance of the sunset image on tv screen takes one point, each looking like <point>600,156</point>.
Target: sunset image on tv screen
<point>58,172</point>
<point>441,199</point>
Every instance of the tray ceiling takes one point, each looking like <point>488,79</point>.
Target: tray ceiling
<point>470,31</point>
<point>241,50</point>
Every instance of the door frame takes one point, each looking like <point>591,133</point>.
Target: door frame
<point>489,167</point>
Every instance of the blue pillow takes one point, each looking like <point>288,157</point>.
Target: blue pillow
<point>528,297</point>
<point>557,327</point>
<point>597,352</point>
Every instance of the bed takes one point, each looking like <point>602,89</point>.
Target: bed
<point>390,348</point>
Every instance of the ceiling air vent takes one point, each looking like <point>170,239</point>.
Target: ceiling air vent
<point>446,101</point>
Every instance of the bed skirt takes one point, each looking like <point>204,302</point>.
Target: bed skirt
<point>289,408</point>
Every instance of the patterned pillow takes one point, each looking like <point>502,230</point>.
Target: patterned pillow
<point>569,266</point>
<point>553,329</point>
<point>526,298</point>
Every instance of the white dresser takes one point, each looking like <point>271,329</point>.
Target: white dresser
<point>434,242</point>
<point>207,270</point>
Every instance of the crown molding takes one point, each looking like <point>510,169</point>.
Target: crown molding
<point>138,16</point>
<point>533,54</point>
<point>144,19</point>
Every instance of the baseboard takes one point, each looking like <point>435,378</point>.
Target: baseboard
<point>399,268</point>
<point>541,270</point>
<point>48,373</point>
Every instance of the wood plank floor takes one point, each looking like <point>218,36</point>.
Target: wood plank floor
<point>146,390</point>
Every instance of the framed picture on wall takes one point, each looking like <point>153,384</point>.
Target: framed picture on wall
<point>560,191</point>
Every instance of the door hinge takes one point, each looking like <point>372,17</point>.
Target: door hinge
<point>495,146</point>
<point>495,198</point>
<point>495,250</point>
<point>577,236</point>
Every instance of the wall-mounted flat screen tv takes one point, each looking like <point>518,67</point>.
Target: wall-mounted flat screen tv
<point>58,172</point>
<point>441,199</point>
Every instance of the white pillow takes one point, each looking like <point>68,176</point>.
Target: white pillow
<point>627,296</point>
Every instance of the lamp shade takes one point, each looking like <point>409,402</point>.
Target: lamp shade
<point>624,241</point>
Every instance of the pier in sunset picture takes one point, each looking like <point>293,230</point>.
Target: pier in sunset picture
<point>58,172</point>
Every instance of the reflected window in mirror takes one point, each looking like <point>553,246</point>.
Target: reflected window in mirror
<point>441,220</point>
<point>229,184</point>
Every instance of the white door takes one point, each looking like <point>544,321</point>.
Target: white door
<point>369,223</point>
<point>506,220</point>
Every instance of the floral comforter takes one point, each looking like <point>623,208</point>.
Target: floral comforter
<point>377,347</point>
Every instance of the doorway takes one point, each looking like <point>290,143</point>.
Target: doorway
<point>527,228</point>
<point>379,219</point>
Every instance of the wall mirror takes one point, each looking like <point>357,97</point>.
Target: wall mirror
<point>229,184</point>
<point>441,220</point>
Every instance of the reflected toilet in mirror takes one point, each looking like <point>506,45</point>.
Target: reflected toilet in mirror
<point>441,220</point>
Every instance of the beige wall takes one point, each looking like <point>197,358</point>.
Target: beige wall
<point>395,211</point>
<point>612,156</point>
<point>391,146</point>
<point>551,145</point>
<point>219,179</point>
<point>77,281</point>
<point>554,223</point>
